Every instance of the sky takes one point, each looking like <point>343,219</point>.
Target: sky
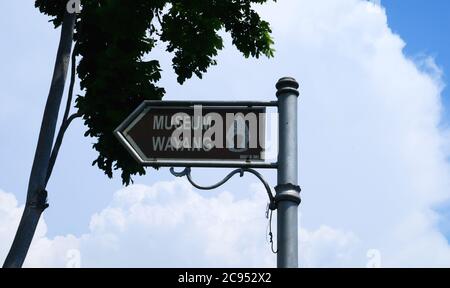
<point>373,143</point>
<point>421,24</point>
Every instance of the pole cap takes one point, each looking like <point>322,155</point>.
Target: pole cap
<point>287,85</point>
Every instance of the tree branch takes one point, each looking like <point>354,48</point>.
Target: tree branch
<point>159,18</point>
<point>36,194</point>
<point>58,143</point>
<point>65,121</point>
<point>72,84</point>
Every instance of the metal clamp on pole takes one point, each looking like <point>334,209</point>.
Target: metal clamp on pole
<point>288,192</point>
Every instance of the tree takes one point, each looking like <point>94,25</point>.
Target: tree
<point>113,39</point>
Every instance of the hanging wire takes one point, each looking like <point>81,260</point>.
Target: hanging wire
<point>271,206</point>
<point>269,227</point>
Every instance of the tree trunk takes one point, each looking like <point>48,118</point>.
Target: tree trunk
<point>36,194</point>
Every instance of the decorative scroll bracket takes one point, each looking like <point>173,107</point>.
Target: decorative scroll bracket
<point>187,172</point>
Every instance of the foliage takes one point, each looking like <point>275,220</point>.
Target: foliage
<point>113,36</point>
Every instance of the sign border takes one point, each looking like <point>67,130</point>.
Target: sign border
<point>118,132</point>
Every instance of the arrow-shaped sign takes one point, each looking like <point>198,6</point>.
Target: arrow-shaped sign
<point>175,133</point>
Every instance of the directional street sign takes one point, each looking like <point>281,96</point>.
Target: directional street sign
<point>225,134</point>
<point>170,132</point>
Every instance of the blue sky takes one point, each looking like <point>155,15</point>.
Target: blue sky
<point>373,147</point>
<point>423,25</point>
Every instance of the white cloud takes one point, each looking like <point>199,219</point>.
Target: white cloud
<point>44,252</point>
<point>373,159</point>
<point>170,225</point>
<point>9,219</point>
<point>174,226</point>
<point>327,247</point>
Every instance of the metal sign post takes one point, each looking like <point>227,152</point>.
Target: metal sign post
<point>155,135</point>
<point>287,198</point>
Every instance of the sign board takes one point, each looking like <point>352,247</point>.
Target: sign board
<point>165,133</point>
